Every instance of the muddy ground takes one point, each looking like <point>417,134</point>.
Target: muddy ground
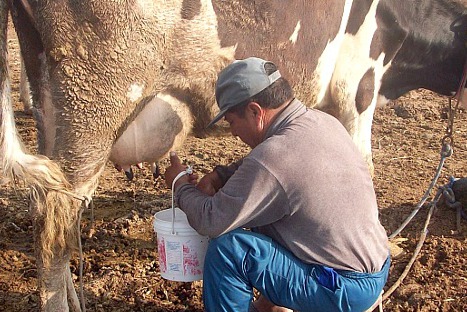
<point>121,268</point>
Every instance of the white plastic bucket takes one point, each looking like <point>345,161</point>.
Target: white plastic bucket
<point>181,249</point>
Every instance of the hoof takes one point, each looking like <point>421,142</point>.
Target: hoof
<point>129,174</point>
<point>156,173</point>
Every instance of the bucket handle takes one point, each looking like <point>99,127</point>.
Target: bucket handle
<point>189,170</point>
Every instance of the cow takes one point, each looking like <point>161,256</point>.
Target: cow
<point>95,66</point>
<point>127,150</point>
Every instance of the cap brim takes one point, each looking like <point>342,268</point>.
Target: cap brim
<point>218,117</point>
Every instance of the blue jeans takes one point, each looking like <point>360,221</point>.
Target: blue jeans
<point>240,260</point>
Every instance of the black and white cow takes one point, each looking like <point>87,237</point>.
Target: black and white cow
<point>97,67</point>
<point>348,59</point>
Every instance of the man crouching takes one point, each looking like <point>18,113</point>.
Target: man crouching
<point>297,218</point>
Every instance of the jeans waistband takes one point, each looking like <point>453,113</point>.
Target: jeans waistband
<point>357,275</point>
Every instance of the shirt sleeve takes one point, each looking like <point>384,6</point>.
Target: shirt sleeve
<point>252,197</point>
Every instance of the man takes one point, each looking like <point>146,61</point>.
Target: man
<point>304,191</point>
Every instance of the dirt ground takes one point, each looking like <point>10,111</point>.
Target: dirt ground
<point>120,260</point>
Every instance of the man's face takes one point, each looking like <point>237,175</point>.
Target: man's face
<point>244,127</point>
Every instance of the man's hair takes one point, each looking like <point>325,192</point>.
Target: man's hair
<point>271,97</point>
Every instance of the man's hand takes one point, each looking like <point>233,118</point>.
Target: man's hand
<point>210,183</point>
<point>175,168</point>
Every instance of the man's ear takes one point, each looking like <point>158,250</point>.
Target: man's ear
<point>255,109</point>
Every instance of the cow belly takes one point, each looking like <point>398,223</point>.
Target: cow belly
<point>161,126</point>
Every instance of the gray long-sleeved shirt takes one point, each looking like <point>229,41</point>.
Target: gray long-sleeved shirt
<point>307,187</point>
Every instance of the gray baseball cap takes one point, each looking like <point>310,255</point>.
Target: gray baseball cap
<point>240,81</point>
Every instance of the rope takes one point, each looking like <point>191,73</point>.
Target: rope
<point>86,202</point>
<point>446,151</point>
<point>75,196</point>
<point>417,249</point>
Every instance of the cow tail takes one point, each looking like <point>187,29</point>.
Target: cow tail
<point>48,184</point>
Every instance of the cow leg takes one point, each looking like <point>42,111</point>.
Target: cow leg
<point>24,94</point>
<point>360,131</point>
<point>57,292</point>
<point>54,277</point>
<point>34,84</point>
<point>356,115</point>
<point>55,219</point>
<point>358,123</point>
<point>54,284</point>
<point>356,103</point>
<point>55,235</point>
<point>56,289</point>
<point>73,300</point>
<point>156,172</point>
